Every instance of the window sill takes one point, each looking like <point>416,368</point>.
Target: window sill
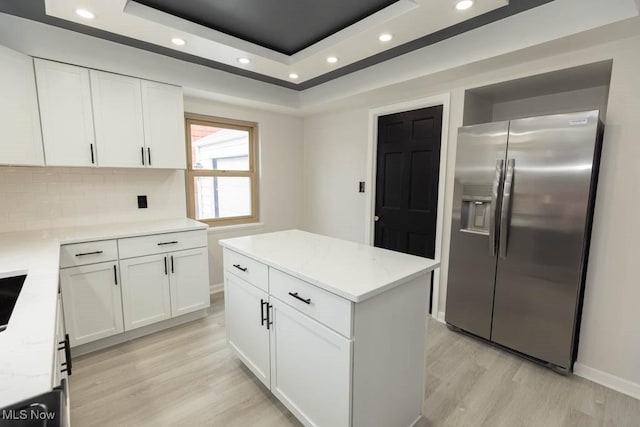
<point>235,227</point>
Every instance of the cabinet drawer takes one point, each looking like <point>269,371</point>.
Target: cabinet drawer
<point>248,269</point>
<point>160,243</point>
<point>325,307</point>
<point>88,253</point>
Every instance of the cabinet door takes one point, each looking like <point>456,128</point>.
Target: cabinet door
<point>310,368</point>
<point>246,333</point>
<point>189,280</point>
<point>64,95</point>
<point>145,290</point>
<point>117,110</point>
<point>164,130</point>
<point>20,137</point>
<point>92,302</point>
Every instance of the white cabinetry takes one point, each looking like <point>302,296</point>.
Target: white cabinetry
<point>117,108</point>
<point>20,136</point>
<point>92,302</point>
<point>117,286</point>
<point>163,113</point>
<point>145,291</point>
<point>332,361</point>
<point>64,95</point>
<point>247,331</point>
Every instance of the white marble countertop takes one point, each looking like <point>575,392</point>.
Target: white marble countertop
<point>352,270</point>
<point>27,345</point>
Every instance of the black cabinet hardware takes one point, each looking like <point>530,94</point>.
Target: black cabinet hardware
<point>142,154</point>
<point>115,274</point>
<point>171,264</point>
<point>296,296</point>
<point>67,355</point>
<point>92,157</point>
<point>269,322</point>
<point>240,268</point>
<point>149,154</point>
<point>89,253</point>
<point>174,242</point>
<point>262,318</point>
<point>165,266</point>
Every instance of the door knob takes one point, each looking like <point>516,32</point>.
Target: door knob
<point>376,218</point>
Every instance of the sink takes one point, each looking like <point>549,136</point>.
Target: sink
<point>10,288</point>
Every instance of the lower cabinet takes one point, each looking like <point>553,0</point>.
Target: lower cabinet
<point>189,280</point>
<point>145,291</point>
<point>304,363</point>
<point>92,302</point>
<point>246,307</point>
<point>310,368</point>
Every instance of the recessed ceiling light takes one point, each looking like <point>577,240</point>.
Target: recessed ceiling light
<point>293,76</point>
<point>332,60</point>
<point>244,60</point>
<point>178,41</point>
<point>385,37</point>
<point>84,13</point>
<point>464,4</point>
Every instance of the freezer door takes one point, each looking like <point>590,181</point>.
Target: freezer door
<point>480,158</point>
<point>545,214</point>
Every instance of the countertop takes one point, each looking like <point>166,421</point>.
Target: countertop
<point>351,270</point>
<point>27,345</point>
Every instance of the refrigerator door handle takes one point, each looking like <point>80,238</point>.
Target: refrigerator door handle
<point>505,213</point>
<point>493,223</point>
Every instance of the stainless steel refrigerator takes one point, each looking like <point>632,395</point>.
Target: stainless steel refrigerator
<point>523,205</point>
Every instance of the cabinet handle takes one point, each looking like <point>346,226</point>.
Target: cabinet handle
<point>142,154</point>
<point>89,253</point>
<point>296,296</point>
<point>165,266</point>
<point>67,355</point>
<point>269,322</point>
<point>172,264</point>
<point>92,157</point>
<point>168,243</point>
<point>149,154</point>
<point>240,268</point>
<point>115,274</point>
<point>262,318</point>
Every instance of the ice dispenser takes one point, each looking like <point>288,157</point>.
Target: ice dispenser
<point>475,214</point>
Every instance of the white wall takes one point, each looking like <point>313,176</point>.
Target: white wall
<point>610,337</point>
<point>35,198</point>
<point>280,144</point>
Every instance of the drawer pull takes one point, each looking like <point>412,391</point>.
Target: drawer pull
<point>240,268</point>
<point>168,243</point>
<point>89,253</point>
<point>296,296</point>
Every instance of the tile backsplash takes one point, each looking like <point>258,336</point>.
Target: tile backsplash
<point>34,198</point>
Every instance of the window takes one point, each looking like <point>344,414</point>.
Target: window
<point>222,178</point>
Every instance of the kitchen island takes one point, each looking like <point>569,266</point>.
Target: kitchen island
<point>335,329</point>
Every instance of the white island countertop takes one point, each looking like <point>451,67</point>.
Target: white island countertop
<point>27,345</point>
<point>351,270</point>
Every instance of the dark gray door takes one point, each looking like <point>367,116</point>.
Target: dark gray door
<point>480,157</point>
<point>408,168</point>
<point>543,234</point>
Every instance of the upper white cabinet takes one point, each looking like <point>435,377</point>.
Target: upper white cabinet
<point>163,112</point>
<point>117,110</point>
<point>20,136</point>
<point>64,95</point>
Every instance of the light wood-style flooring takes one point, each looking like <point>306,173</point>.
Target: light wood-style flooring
<point>187,376</point>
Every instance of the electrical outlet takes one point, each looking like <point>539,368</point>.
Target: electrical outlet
<point>361,187</point>
<point>142,202</point>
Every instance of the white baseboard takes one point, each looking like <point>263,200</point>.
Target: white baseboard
<point>440,317</point>
<point>216,289</point>
<point>610,381</point>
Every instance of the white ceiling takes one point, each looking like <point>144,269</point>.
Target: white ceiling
<point>406,20</point>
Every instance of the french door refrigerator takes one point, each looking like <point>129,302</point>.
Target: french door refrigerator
<point>523,204</point>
